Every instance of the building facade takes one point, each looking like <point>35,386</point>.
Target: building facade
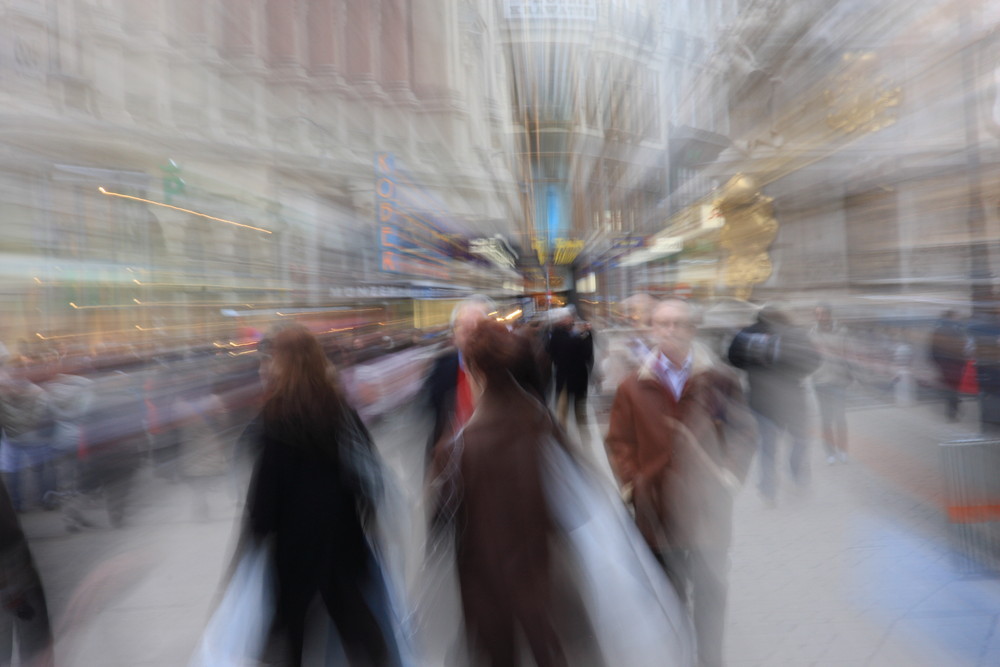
<point>165,162</point>
<point>868,132</point>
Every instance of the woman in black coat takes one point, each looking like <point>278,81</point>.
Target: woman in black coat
<point>314,490</point>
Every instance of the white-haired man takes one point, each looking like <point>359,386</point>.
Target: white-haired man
<point>448,389</point>
<point>680,442</point>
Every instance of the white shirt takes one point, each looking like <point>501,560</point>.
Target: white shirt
<point>672,376</point>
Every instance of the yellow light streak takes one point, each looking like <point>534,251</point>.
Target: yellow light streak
<point>41,336</point>
<point>147,304</point>
<point>224,287</point>
<point>183,210</point>
<point>105,334</point>
<point>325,312</point>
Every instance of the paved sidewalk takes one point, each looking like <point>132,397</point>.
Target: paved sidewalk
<point>860,570</point>
<point>139,596</point>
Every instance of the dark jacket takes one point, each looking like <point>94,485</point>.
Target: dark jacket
<point>311,504</point>
<point>23,597</point>
<point>948,343</point>
<point>572,355</point>
<point>777,359</point>
<point>985,331</point>
<point>308,501</point>
<point>439,392</point>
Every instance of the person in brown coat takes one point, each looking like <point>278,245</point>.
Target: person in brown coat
<point>680,442</point>
<point>490,492</point>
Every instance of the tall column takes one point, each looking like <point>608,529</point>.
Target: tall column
<point>322,36</point>
<point>395,46</point>
<point>190,20</point>
<point>239,93</point>
<point>236,28</point>
<point>282,42</point>
<point>286,82</point>
<point>141,15</point>
<point>360,37</point>
<point>430,66</point>
<point>142,62</point>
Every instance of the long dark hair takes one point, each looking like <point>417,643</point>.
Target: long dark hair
<point>303,395</point>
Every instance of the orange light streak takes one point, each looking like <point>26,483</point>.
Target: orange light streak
<point>184,210</point>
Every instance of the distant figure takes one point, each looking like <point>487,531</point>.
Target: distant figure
<point>830,382</point>
<point>70,398</point>
<point>777,357</point>
<point>26,419</point>
<point>200,415</point>
<point>448,388</point>
<point>312,498</point>
<point>537,335</point>
<point>163,388</point>
<point>680,442</point>
<point>949,351</point>
<point>571,347</point>
<point>639,308</point>
<point>984,329</point>
<point>113,441</point>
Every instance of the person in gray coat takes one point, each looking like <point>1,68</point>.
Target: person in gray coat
<point>777,357</point>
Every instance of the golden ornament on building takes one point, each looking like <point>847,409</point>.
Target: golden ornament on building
<point>861,100</point>
<point>749,230</point>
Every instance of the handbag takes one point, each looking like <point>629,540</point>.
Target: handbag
<point>969,384</point>
<point>238,629</point>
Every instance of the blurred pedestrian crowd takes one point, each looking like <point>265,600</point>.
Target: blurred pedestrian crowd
<point>546,554</point>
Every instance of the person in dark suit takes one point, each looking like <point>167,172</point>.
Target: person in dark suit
<point>313,496</point>
<point>449,389</point>
<point>949,344</point>
<point>571,347</point>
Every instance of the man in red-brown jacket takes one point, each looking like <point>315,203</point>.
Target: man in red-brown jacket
<point>680,442</point>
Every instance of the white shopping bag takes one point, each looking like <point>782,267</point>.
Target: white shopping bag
<point>637,617</point>
<point>237,631</point>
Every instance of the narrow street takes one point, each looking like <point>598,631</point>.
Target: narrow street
<point>856,572</point>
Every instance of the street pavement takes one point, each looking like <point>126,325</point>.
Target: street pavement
<point>858,570</point>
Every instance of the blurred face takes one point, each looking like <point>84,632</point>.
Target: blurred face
<point>467,319</point>
<point>673,330</point>
<point>823,318</point>
<point>267,368</point>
